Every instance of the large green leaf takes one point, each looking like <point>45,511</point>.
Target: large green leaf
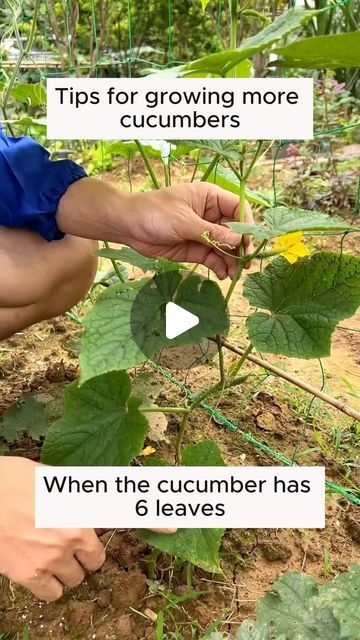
<point>28,417</point>
<point>226,179</point>
<point>222,63</point>
<point>288,608</point>
<point>243,69</point>
<point>101,426</point>
<point>130,256</point>
<point>203,454</point>
<point>280,221</point>
<point>108,342</point>
<point>33,94</point>
<point>199,546</point>
<point>322,52</point>
<point>342,595</point>
<point>136,259</point>
<point>295,608</point>
<point>306,300</point>
<point>251,630</point>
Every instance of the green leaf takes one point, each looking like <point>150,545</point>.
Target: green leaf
<point>291,607</point>
<point>243,69</point>
<point>203,454</point>
<point>199,546</point>
<point>127,149</point>
<point>101,426</point>
<point>342,595</point>
<point>28,416</point>
<point>341,50</point>
<point>224,148</point>
<point>33,94</point>
<point>251,630</point>
<point>306,300</point>
<point>204,4</point>
<point>147,387</point>
<point>222,63</point>
<point>226,179</point>
<point>27,121</point>
<point>156,462</point>
<point>280,221</point>
<point>130,256</point>
<point>108,342</point>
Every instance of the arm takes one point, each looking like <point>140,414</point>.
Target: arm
<point>168,223</point>
<point>55,198</point>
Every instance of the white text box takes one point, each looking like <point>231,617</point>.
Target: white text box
<point>236,497</point>
<point>191,108</point>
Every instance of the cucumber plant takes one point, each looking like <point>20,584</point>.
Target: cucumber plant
<point>299,298</point>
<point>295,606</point>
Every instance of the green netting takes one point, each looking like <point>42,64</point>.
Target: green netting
<point>95,67</point>
<point>276,455</point>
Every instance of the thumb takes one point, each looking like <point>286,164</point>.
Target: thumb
<point>203,231</point>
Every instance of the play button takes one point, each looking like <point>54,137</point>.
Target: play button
<point>178,320</point>
<point>173,317</point>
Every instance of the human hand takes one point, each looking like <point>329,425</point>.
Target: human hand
<point>42,560</point>
<point>171,223</point>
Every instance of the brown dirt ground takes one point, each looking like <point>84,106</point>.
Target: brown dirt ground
<point>119,601</point>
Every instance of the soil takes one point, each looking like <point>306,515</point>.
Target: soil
<point>123,599</point>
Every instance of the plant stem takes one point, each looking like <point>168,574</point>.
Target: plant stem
<point>234,169</point>
<point>164,410</point>
<point>233,4</point>
<point>199,399</point>
<point>349,17</point>
<point>221,360</point>
<point>180,436</point>
<point>241,361</point>
<point>22,55</point>
<point>148,164</point>
<point>254,160</point>
<point>196,166</point>
<point>240,266</point>
<point>115,265</point>
<point>211,166</point>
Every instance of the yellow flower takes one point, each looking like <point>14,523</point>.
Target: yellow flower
<point>147,451</point>
<point>291,247</point>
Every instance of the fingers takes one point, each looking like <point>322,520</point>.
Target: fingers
<point>91,553</point>
<point>70,574</point>
<point>44,586</point>
<point>202,231</point>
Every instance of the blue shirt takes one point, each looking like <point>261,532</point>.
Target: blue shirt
<point>31,185</point>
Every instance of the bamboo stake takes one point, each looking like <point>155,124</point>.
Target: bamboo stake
<point>340,406</point>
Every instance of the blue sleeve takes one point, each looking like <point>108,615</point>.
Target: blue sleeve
<point>31,185</point>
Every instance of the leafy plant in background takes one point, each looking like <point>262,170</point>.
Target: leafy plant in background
<point>297,607</point>
<point>299,297</point>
